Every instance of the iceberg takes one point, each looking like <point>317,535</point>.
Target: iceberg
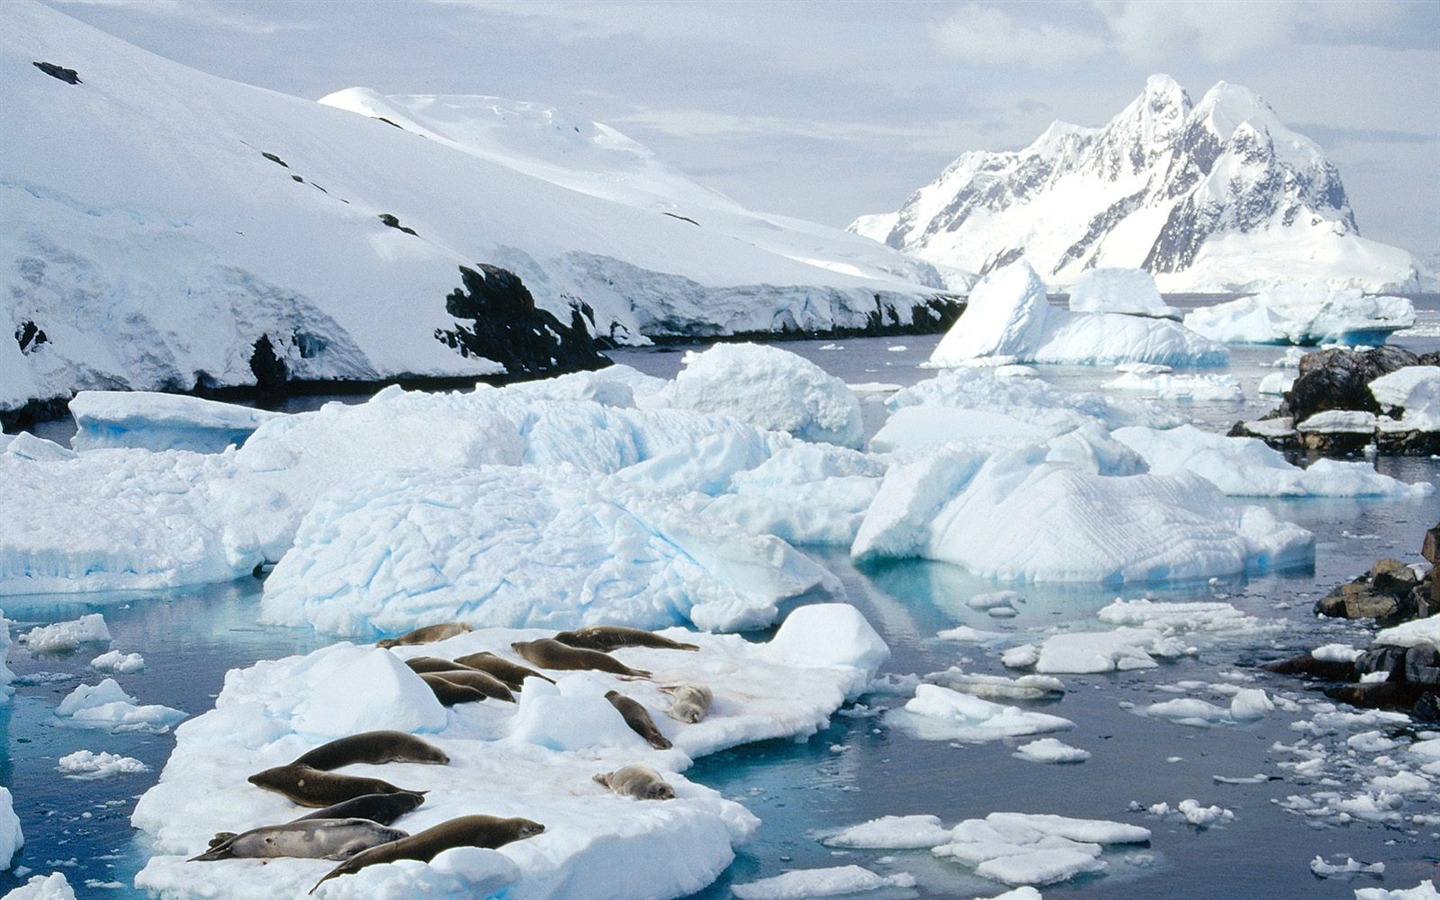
<point>769,388</point>
<point>1007,314</point>
<point>594,840</point>
<point>153,421</point>
<point>1017,517</point>
<point>1304,314</point>
<point>1114,290</point>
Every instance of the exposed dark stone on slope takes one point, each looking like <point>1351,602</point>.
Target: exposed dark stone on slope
<point>1307,666</point>
<point>69,76</point>
<point>29,336</point>
<point>394,222</point>
<point>505,325</point>
<point>270,370</point>
<point>1340,379</point>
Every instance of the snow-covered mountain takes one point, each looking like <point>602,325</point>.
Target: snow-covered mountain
<point>161,228</point>
<point>1215,196</point>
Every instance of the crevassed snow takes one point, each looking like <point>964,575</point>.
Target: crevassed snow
<point>505,760</point>
<point>1303,314</point>
<point>1007,314</point>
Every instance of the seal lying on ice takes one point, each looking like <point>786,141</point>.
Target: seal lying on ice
<point>466,831</point>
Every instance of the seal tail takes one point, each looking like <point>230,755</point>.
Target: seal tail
<point>222,852</point>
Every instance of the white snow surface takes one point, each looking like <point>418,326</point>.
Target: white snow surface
<point>225,213</point>
<point>535,760</point>
<point>1008,315</point>
<point>1035,849</point>
<point>1186,388</point>
<point>1303,314</point>
<point>830,882</point>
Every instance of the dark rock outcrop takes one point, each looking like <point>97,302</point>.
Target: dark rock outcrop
<point>1340,379</point>
<point>504,324</point>
<point>69,76</point>
<point>1390,593</point>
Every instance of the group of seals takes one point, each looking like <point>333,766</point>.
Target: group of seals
<point>466,831</point>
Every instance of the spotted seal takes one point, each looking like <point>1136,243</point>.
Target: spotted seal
<point>688,702</point>
<point>304,838</point>
<point>639,781</point>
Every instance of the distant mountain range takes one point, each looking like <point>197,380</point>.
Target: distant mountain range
<point>161,228</point>
<point>1210,197</point>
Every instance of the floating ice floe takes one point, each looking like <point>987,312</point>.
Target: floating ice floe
<point>116,663</point>
<point>106,705</point>
<point>1129,292</point>
<point>1247,467</point>
<point>998,687</point>
<point>769,388</point>
<point>63,637</point>
<point>1191,811</point>
<point>1172,618</point>
<point>1095,652</point>
<point>891,833</point>
<point>939,714</point>
<point>1425,890</point>
<point>1007,314</point>
<point>1275,384</point>
<point>11,837</point>
<point>1189,388</point>
<point>829,882</point>
<point>153,421</point>
<point>1051,750</point>
<point>1247,705</point>
<point>86,764</point>
<point>1303,314</point>
<point>43,887</point>
<point>1323,869</point>
<point>523,547</point>
<point>534,759</point>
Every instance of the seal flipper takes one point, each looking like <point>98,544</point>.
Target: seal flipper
<point>219,848</point>
<point>220,838</point>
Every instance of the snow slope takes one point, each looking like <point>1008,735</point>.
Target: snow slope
<point>1217,196</point>
<point>156,222</point>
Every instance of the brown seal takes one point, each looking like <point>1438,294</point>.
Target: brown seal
<point>688,702</point>
<point>449,693</point>
<point>548,653</point>
<point>382,808</point>
<point>512,673</point>
<point>483,682</point>
<point>466,831</point>
<point>309,786</point>
<point>374,747</point>
<point>612,637</point>
<point>639,781</point>
<point>422,665</point>
<point>427,635</point>
<point>304,839</point>
<point>638,718</point>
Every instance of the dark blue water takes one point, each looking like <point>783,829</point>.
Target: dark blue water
<point>859,768</point>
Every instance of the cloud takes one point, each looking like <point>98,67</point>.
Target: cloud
<point>1224,30</point>
<point>988,35</point>
<point>231,17</point>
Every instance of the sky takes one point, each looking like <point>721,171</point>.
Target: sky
<point>830,110</point>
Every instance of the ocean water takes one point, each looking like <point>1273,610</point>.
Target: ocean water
<point>861,767</point>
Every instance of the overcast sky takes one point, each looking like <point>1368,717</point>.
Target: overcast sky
<point>829,110</point>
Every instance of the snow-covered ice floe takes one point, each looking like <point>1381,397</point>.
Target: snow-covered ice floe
<point>44,887</point>
<point>1191,388</point>
<point>63,637</point>
<point>107,706</point>
<point>938,713</point>
<point>86,764</point>
<point>1013,848</point>
<point>1008,315</point>
<point>534,759</point>
<point>1303,314</point>
<point>153,421</point>
<point>829,882</point>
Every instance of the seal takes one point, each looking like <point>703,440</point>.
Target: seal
<point>422,665</point>
<point>688,702</point>
<point>639,781</point>
<point>309,786</point>
<point>612,637</point>
<point>382,808</point>
<point>451,689</point>
<point>306,839</point>
<point>466,831</point>
<point>483,682</point>
<point>548,653</point>
<point>512,673</point>
<point>374,747</point>
<point>638,719</point>
<point>427,635</point>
